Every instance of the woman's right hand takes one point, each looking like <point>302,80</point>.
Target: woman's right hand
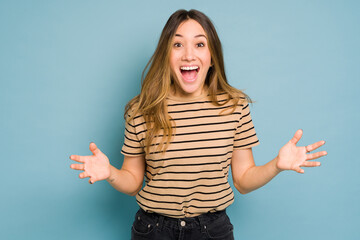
<point>96,167</point>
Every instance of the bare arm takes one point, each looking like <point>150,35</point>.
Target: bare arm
<point>248,177</point>
<point>129,178</point>
<point>97,167</point>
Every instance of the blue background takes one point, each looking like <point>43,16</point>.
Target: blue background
<point>67,69</point>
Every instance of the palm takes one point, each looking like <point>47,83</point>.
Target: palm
<point>96,166</point>
<point>292,157</point>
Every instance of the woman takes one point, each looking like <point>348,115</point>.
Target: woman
<point>183,132</point>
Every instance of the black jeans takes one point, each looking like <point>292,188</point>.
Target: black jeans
<point>206,226</point>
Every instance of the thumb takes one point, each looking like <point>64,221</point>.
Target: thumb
<point>297,136</point>
<point>94,149</point>
<point>299,170</point>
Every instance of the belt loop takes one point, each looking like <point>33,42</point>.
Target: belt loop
<point>160,222</point>
<point>202,223</point>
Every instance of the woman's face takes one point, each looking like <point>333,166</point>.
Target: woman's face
<point>190,59</point>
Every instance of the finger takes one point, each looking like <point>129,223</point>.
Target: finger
<point>299,170</point>
<point>78,166</point>
<point>77,158</point>
<point>316,155</point>
<point>92,180</point>
<point>311,164</point>
<point>94,149</point>
<point>297,136</point>
<point>83,175</point>
<point>314,146</point>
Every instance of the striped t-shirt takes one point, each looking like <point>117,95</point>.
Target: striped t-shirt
<point>191,177</point>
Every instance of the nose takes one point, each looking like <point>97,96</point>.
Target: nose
<point>188,54</point>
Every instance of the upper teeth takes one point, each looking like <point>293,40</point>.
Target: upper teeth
<point>189,68</point>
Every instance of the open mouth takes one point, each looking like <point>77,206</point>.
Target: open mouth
<point>189,73</point>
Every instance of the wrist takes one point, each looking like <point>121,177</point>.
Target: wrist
<point>112,174</point>
<point>277,168</point>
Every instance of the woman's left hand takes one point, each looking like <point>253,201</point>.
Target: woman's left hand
<point>292,157</point>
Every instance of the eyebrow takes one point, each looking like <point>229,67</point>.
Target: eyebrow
<point>199,35</point>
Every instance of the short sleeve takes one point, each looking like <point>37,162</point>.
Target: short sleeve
<point>132,143</point>
<point>245,135</point>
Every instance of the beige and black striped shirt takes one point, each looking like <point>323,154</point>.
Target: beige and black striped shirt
<point>191,177</point>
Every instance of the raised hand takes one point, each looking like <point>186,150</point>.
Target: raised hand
<point>96,167</point>
<point>292,157</point>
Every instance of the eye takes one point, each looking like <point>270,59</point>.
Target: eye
<point>200,44</point>
<point>177,45</point>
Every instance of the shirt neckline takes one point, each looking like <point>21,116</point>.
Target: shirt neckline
<point>181,99</point>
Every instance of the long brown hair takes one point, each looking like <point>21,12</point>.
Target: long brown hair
<point>157,79</point>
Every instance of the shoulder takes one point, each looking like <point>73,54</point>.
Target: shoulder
<point>230,99</point>
<point>133,114</point>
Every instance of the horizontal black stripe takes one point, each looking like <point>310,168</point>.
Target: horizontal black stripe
<point>196,156</point>
<point>177,105</point>
<point>186,180</point>
<point>132,153</point>
<point>246,144</point>
<point>192,149</point>
<point>182,210</point>
<point>187,201</point>
<point>133,133</point>
<point>245,137</point>
<point>187,195</point>
<point>187,118</point>
<point>243,116</point>
<point>196,140</point>
<point>132,146</point>
<point>212,207</point>
<point>206,116</point>
<point>183,188</point>
<point>192,164</point>
<point>245,130</point>
<point>191,133</point>
<point>246,122</point>
<point>185,173</point>
<point>190,103</point>
<point>204,109</point>
<point>132,139</point>
<point>169,209</point>
<point>205,124</point>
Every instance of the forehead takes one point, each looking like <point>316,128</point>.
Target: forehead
<point>190,27</point>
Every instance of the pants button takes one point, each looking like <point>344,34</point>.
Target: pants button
<point>183,223</point>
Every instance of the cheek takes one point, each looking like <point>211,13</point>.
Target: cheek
<point>173,62</point>
<point>206,57</point>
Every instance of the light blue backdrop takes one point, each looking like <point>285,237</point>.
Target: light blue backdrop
<point>67,69</point>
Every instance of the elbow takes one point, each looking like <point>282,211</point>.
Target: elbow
<point>132,194</point>
<point>240,189</point>
<point>135,192</point>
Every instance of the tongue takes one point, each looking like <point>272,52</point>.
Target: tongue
<point>189,75</point>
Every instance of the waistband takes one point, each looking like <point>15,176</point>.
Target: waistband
<point>187,222</point>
